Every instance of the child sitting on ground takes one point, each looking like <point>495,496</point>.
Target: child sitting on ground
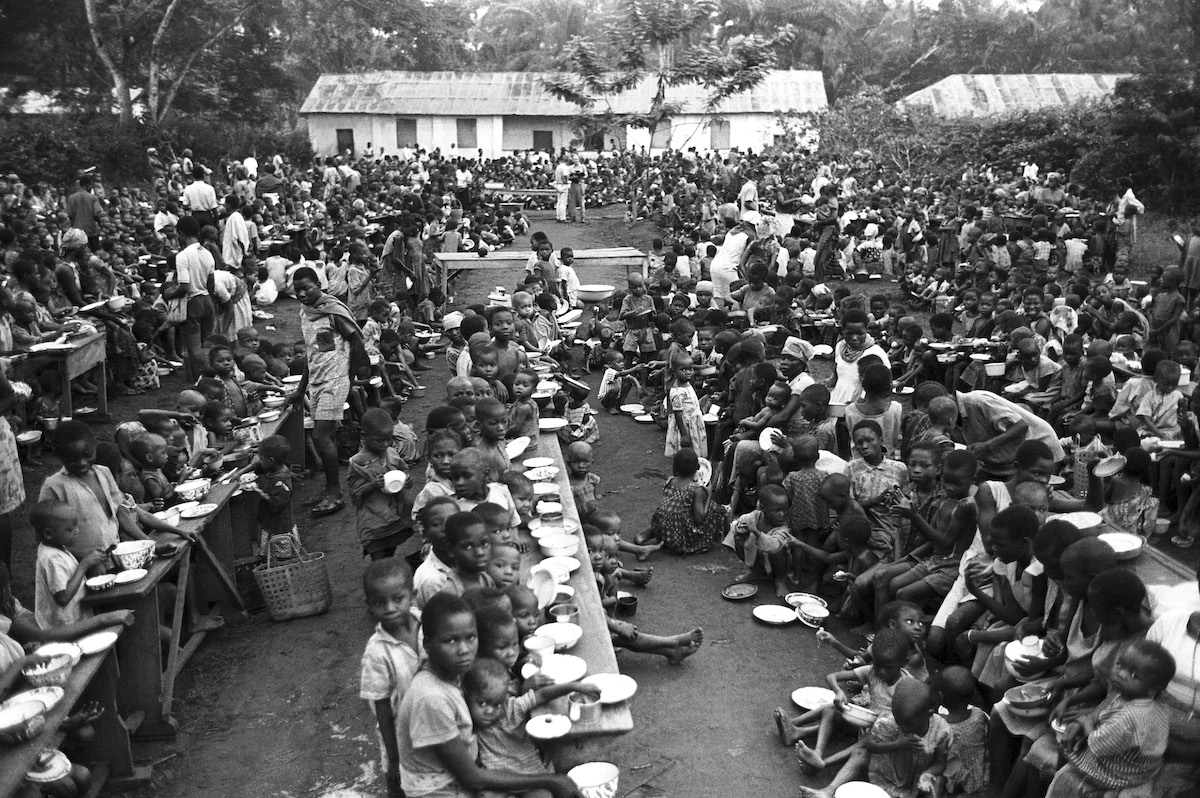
<point>602,551</point>
<point>686,520</point>
<point>889,651</point>
<point>390,659</point>
<point>761,539</point>
<point>967,755</point>
<point>59,577</point>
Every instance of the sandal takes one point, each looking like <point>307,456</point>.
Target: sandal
<point>328,507</point>
<point>315,500</point>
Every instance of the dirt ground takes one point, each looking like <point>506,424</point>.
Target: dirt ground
<point>273,709</point>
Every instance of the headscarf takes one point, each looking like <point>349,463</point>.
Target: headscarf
<point>74,239</point>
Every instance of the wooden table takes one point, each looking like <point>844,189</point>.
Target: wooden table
<point>85,354</point>
<point>595,647</point>
<point>513,261</point>
<point>94,679</point>
<point>202,601</point>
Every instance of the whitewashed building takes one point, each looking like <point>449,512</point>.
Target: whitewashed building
<point>499,112</point>
<point>988,95</point>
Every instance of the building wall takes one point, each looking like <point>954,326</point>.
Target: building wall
<point>518,131</point>
<point>496,135</point>
<point>746,131</point>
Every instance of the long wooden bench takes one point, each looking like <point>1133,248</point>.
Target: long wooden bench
<point>513,262</point>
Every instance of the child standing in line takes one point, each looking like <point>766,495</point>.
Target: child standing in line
<point>1166,312</point>
<point>685,422</point>
<point>274,488</point>
<point>150,454</point>
<point>523,413</point>
<point>440,447</point>
<point>808,515</point>
<point>383,517</point>
<point>493,426</point>
<point>585,485</point>
<point>470,548</point>
<point>390,659</point>
<point>469,474</point>
<point>58,583</point>
<point>435,569</point>
<point>636,310</point>
<point>500,717</point>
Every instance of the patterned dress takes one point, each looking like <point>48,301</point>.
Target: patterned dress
<point>12,484</point>
<point>672,521</point>
<point>687,403</point>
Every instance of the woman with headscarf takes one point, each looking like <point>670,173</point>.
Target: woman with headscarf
<point>855,343</point>
<point>335,351</point>
<point>729,262</point>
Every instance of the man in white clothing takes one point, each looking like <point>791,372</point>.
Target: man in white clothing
<point>562,183</point>
<point>201,198</point>
<point>235,240</point>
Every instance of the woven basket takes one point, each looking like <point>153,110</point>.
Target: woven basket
<point>294,588</point>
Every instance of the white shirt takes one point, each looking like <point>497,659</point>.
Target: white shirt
<point>200,196</point>
<point>193,266</point>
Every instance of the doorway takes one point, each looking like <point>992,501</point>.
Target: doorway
<point>345,141</point>
<point>543,140</point>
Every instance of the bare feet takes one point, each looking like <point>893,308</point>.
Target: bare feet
<point>812,792</point>
<point>808,757</point>
<point>680,653</point>
<point>750,576</point>
<point>782,588</point>
<point>782,725</point>
<point>640,576</point>
<point>644,550</point>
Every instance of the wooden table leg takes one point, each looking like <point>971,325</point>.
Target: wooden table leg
<point>215,546</point>
<point>66,406</point>
<point>141,660</point>
<point>102,390</point>
<point>111,744</point>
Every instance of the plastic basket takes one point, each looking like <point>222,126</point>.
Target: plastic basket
<point>294,588</point>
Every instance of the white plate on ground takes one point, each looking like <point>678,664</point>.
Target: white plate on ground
<point>644,418</point>
<point>774,614</point>
<point>516,447</point>
<point>550,425</point>
<point>633,410</point>
<point>860,789</point>
<point>538,462</point>
<point>132,575</point>
<point>95,643</point>
<point>199,511</point>
<point>614,687</point>
<point>548,727</point>
<point>812,697</point>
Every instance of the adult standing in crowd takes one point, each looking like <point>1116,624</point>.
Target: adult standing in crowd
<point>335,351</point>
<point>201,198</point>
<point>85,211</point>
<point>194,269</point>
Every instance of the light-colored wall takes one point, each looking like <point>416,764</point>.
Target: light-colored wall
<point>746,131</point>
<point>518,131</point>
<point>497,135</point>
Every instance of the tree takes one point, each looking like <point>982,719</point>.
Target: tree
<point>669,43</point>
<point>529,35</point>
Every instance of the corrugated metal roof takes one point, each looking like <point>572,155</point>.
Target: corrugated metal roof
<point>984,95</point>
<point>521,94</point>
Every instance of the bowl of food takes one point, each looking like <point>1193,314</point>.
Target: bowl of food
<point>54,649</point>
<point>594,292</point>
<point>275,402</point>
<point>564,635</point>
<point>595,779</point>
<point>557,571</point>
<point>193,489</point>
<point>20,722</point>
<point>170,515</point>
<point>1127,546</point>
<point>131,554</point>
<point>1021,651</point>
<point>117,303</point>
<point>995,369</point>
<point>394,481</point>
<point>1028,700</point>
<point>49,672</point>
<point>858,716</point>
<point>101,582</point>
<point>29,437</point>
<point>562,545</point>
<point>813,615</point>
<point>269,415</point>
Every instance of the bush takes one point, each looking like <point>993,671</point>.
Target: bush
<point>54,148</point>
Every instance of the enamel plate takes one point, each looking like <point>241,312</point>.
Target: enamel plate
<point>614,687</point>
<point>548,727</point>
<point>774,614</point>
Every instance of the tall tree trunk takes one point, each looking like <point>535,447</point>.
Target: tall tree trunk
<point>119,80</point>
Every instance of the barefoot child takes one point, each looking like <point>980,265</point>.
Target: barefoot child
<point>966,757</point>
<point>808,515</point>
<point>686,521</point>
<point>761,539</point>
<point>383,517</point>
<point>910,745</point>
<point>274,489</point>
<point>390,659</point>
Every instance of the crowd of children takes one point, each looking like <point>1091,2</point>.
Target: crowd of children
<point>909,472</point>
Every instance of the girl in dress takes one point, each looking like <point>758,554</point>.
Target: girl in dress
<point>856,342</point>
<point>1129,502</point>
<point>686,522</point>
<point>685,423</point>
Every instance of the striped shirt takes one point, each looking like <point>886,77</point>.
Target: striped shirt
<point>1126,749</point>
